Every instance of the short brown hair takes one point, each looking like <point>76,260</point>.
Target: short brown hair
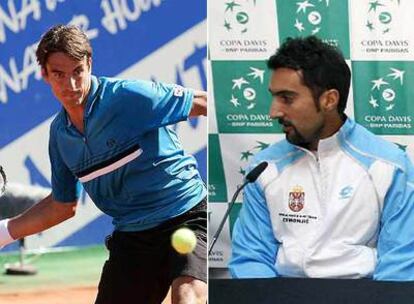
<point>66,39</point>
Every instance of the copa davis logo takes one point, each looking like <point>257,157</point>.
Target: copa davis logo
<point>309,16</point>
<point>243,93</point>
<point>327,19</point>
<point>243,98</point>
<point>236,15</point>
<point>383,89</point>
<point>238,21</point>
<point>379,16</point>
<point>380,21</point>
<point>246,155</point>
<point>384,97</point>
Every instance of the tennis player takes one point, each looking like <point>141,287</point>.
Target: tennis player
<point>113,136</point>
<point>336,201</point>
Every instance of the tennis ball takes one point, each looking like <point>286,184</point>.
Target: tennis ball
<point>183,240</point>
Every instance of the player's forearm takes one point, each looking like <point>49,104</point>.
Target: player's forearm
<point>45,214</point>
<point>199,104</point>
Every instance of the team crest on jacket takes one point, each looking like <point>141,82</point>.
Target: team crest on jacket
<point>296,199</point>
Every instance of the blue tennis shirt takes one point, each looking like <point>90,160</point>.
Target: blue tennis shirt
<point>129,160</point>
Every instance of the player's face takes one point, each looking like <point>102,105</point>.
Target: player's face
<point>294,106</point>
<point>68,78</point>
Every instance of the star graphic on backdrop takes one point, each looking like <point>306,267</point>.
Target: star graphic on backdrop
<point>370,25</point>
<point>390,107</point>
<point>234,101</point>
<point>302,6</point>
<point>227,25</point>
<point>231,5</point>
<point>373,102</point>
<point>251,106</point>
<point>246,155</point>
<point>237,83</point>
<point>257,73</point>
<point>299,25</point>
<point>397,74</point>
<point>373,6</point>
<point>401,146</point>
<point>241,171</point>
<point>316,30</point>
<point>261,145</point>
<point>378,83</point>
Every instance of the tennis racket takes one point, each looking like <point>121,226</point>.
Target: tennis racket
<point>3,181</point>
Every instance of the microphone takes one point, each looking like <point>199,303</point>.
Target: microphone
<point>254,174</point>
<point>250,178</point>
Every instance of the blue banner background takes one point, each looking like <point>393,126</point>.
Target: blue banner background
<point>120,35</point>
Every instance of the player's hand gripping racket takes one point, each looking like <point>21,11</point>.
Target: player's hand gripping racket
<point>3,181</point>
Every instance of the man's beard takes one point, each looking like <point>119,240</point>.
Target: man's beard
<point>295,137</point>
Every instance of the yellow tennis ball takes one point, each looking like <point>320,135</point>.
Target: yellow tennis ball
<point>183,240</point>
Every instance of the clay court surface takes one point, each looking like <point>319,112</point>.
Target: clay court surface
<point>67,277</point>
<point>74,295</point>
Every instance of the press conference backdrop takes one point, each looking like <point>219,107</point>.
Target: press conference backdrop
<point>148,39</point>
<point>377,41</point>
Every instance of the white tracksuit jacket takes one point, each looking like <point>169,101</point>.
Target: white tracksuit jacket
<point>346,211</point>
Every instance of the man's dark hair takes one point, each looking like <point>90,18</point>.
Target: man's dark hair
<point>66,39</point>
<point>323,66</point>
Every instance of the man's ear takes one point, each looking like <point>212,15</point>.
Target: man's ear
<point>329,100</point>
<point>90,63</point>
<point>45,75</point>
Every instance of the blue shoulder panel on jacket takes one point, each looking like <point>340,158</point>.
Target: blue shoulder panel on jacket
<point>282,154</point>
<point>365,147</point>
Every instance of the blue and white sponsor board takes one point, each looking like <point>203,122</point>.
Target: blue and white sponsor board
<point>147,39</point>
